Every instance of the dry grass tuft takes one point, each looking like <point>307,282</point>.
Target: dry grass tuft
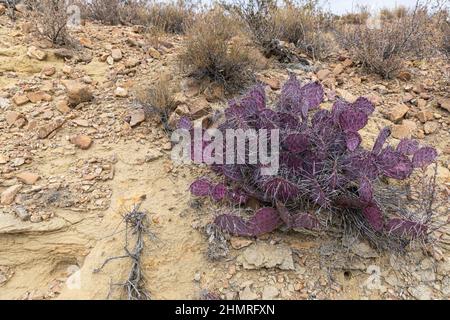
<point>158,99</point>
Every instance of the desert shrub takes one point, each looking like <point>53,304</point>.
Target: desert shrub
<point>325,175</point>
<point>114,12</point>
<point>51,17</point>
<point>387,15</point>
<point>158,99</point>
<point>355,18</point>
<point>215,50</point>
<point>383,49</point>
<point>443,21</point>
<point>303,25</point>
<point>257,16</point>
<point>172,17</point>
<point>300,23</point>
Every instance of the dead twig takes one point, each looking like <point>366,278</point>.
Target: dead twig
<point>136,225</point>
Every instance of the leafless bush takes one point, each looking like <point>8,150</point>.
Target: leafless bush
<point>301,23</point>
<point>393,14</point>
<point>304,25</point>
<point>215,50</point>
<point>172,17</point>
<point>114,12</point>
<point>358,18</point>
<point>257,15</point>
<point>382,49</point>
<point>51,17</point>
<point>158,99</point>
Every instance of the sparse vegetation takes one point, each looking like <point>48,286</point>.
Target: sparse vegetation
<point>383,48</point>
<point>52,18</point>
<point>216,50</point>
<point>158,100</point>
<point>172,17</point>
<point>305,26</point>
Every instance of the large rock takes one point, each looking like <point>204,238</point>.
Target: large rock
<point>36,53</point>
<point>81,141</point>
<point>7,197</point>
<point>20,99</point>
<point>397,112</point>
<point>424,115</point>
<point>27,177</point>
<point>39,96</point>
<point>77,92</point>
<point>45,130</point>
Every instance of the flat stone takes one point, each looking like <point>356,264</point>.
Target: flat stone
<point>137,117</point>
<point>48,70</point>
<point>116,54</point>
<point>11,117</point>
<point>81,141</point>
<point>445,104</point>
<point>263,255</point>
<point>63,106</point>
<point>45,130</point>
<point>155,54</point>
<point>404,130</point>
<point>39,96</point>
<point>247,294</point>
<point>323,74</point>
<point>20,99</point>
<point>270,293</point>
<point>424,115</point>
<point>421,292</point>
<point>36,53</point>
<point>7,197</point>
<point>430,127</point>
<point>397,112</point>
<point>22,213</point>
<point>27,177</point>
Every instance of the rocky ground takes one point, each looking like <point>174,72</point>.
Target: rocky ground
<point>78,151</point>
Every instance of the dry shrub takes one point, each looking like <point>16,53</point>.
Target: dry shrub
<point>51,17</point>
<point>387,15</point>
<point>355,18</point>
<point>158,99</point>
<point>114,12</point>
<point>305,26</point>
<point>382,49</point>
<point>172,17</point>
<point>301,23</point>
<point>446,39</point>
<point>257,16</point>
<point>215,49</point>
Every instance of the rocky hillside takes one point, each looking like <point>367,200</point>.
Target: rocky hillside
<point>78,151</point>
